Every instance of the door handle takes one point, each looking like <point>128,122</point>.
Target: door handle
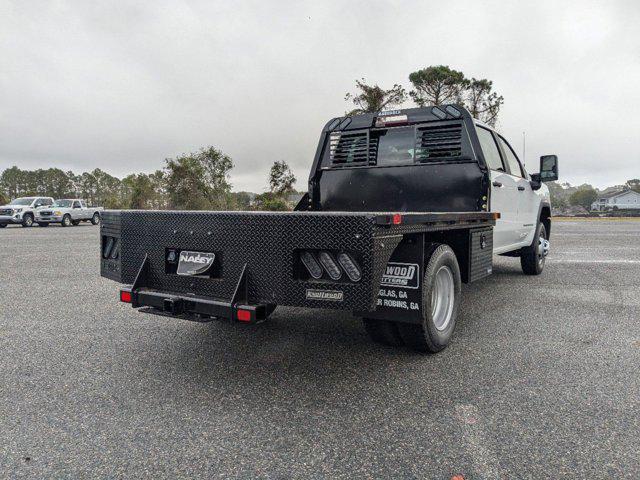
<point>521,188</point>
<point>496,184</point>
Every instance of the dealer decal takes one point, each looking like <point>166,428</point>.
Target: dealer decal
<point>327,295</point>
<point>194,263</point>
<point>404,275</point>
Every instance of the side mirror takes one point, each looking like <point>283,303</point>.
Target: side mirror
<point>548,171</point>
<point>549,168</point>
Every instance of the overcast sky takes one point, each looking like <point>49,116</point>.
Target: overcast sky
<point>124,85</point>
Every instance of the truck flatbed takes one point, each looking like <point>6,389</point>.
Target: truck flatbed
<point>264,248</point>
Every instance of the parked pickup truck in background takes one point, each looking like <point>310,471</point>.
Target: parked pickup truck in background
<point>402,208</point>
<point>67,212</point>
<point>22,211</point>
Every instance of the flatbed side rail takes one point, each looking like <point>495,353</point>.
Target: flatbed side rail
<point>417,218</point>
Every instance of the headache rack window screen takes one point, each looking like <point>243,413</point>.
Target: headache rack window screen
<point>397,145</point>
<point>351,148</point>
<point>436,142</point>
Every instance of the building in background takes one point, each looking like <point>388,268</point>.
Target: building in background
<point>617,200</point>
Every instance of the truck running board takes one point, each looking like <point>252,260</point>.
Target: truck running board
<point>194,308</point>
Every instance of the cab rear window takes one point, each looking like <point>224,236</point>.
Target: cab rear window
<point>395,145</point>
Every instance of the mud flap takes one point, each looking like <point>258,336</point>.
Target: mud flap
<point>400,293</point>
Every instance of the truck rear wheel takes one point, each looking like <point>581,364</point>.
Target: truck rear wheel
<point>440,300</point>
<point>95,220</point>
<point>383,331</point>
<point>532,258</point>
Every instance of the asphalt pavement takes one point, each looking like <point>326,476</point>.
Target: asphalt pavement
<point>542,379</point>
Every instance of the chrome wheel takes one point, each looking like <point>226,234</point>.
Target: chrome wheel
<point>442,298</point>
<point>543,247</point>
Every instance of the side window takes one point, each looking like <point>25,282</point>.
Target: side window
<point>40,202</point>
<point>76,204</point>
<point>512,159</point>
<point>490,149</point>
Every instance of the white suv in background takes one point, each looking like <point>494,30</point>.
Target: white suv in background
<point>22,210</point>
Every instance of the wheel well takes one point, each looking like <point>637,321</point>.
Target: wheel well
<point>545,218</point>
<point>458,240</point>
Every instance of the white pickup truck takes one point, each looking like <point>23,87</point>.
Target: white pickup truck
<point>22,211</point>
<point>67,212</point>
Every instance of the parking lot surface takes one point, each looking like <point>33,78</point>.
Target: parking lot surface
<point>541,380</point>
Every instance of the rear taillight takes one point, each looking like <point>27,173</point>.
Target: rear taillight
<point>110,247</point>
<point>311,264</point>
<point>330,265</point>
<point>107,245</point>
<point>350,267</point>
<point>125,296</point>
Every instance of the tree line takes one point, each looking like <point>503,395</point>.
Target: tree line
<point>195,181</point>
<point>434,85</point>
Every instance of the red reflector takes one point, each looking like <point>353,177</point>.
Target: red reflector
<point>396,219</point>
<point>244,315</point>
<point>125,296</point>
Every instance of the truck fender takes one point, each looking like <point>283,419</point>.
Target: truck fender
<point>544,215</point>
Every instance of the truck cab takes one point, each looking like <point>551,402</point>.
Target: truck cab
<point>434,159</point>
<point>521,201</point>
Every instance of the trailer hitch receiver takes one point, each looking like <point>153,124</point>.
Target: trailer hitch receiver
<point>174,306</point>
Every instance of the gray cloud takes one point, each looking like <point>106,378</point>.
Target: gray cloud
<point>97,84</point>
